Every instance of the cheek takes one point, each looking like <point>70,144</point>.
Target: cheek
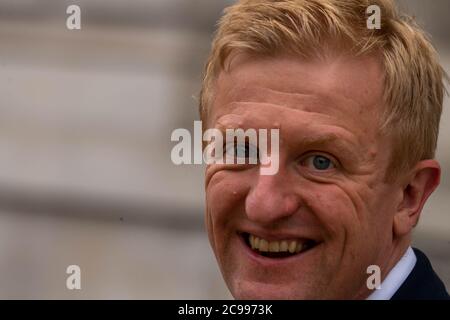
<point>384,206</point>
<point>344,211</point>
<point>351,238</point>
<point>225,194</point>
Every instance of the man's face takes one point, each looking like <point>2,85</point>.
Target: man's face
<point>328,203</point>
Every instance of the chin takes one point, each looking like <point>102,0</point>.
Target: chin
<point>248,290</point>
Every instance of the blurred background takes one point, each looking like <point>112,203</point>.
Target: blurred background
<point>85,170</point>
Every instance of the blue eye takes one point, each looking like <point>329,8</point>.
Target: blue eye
<point>318,162</point>
<point>243,151</point>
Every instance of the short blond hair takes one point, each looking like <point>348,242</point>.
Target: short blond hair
<point>414,79</point>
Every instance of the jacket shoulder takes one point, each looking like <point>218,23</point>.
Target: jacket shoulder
<point>422,283</point>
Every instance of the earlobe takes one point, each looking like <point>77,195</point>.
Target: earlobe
<point>424,179</point>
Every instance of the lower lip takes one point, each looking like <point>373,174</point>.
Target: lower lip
<point>274,262</point>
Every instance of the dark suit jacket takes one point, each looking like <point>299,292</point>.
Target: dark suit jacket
<point>422,283</point>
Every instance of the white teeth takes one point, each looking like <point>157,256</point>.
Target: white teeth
<point>284,246</point>
<point>274,246</point>
<point>256,242</point>
<point>252,241</point>
<point>292,246</point>
<point>262,245</point>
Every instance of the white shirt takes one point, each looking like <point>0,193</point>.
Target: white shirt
<point>395,277</point>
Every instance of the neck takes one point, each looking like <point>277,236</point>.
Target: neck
<point>387,260</point>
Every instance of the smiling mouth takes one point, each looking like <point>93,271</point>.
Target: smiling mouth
<point>278,249</point>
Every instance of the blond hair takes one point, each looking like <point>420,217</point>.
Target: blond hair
<point>413,77</point>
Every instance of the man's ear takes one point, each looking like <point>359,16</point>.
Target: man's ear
<point>422,181</point>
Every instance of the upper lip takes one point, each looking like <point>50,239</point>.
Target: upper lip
<point>278,236</point>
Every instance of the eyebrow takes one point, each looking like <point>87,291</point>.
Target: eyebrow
<point>321,138</point>
<point>339,143</point>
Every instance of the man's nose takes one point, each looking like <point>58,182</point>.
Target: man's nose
<point>271,199</point>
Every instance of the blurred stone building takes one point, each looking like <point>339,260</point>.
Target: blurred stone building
<point>85,171</point>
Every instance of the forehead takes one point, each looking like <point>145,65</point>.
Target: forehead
<point>345,89</point>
